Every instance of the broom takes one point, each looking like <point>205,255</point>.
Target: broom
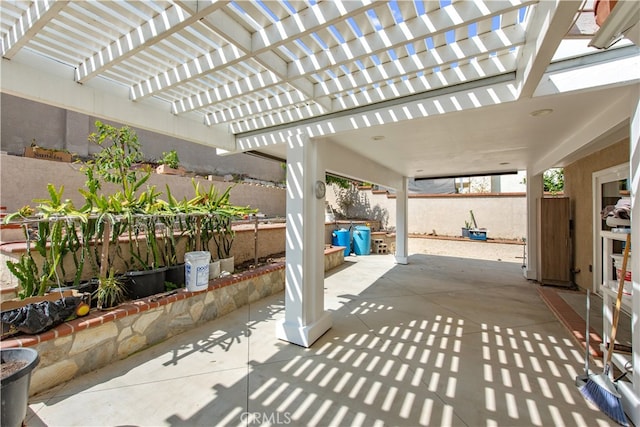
<point>599,389</point>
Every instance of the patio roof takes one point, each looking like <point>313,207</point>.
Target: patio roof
<point>243,76</point>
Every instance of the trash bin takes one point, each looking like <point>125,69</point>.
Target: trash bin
<point>341,238</point>
<point>362,240</point>
<point>196,270</point>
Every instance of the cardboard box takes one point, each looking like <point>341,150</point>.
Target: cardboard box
<point>53,296</point>
<point>47,154</point>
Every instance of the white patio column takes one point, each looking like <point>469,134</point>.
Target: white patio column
<point>305,319</point>
<point>535,188</point>
<point>402,229</point>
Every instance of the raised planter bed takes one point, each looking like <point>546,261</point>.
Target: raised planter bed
<point>115,334</point>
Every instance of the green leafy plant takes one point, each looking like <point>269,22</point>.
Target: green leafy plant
<point>120,151</point>
<point>343,183</point>
<point>214,215</point>
<point>24,213</point>
<point>110,291</point>
<point>170,286</point>
<point>26,271</point>
<point>173,219</point>
<point>56,237</point>
<point>170,159</point>
<point>553,180</point>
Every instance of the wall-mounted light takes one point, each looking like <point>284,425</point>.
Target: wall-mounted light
<point>378,137</point>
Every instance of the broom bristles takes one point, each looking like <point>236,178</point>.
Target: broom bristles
<point>602,393</point>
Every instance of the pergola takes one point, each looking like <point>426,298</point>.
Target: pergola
<point>378,91</point>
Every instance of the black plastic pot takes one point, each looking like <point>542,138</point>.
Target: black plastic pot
<point>144,283</point>
<point>15,387</point>
<point>175,274</point>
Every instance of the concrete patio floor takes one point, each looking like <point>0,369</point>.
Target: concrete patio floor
<point>442,341</point>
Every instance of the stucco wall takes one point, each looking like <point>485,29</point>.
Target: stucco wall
<point>503,215</point>
<point>51,127</point>
<point>578,187</point>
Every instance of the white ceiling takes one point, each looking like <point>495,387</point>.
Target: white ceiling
<point>499,138</point>
<point>446,88</point>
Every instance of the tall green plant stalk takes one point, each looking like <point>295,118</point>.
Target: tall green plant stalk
<point>120,150</point>
<point>218,214</point>
<point>56,237</point>
<point>26,269</point>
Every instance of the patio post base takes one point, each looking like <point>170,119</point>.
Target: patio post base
<point>304,335</point>
<point>404,260</point>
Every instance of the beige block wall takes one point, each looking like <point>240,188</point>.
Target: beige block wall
<point>578,187</point>
<point>503,215</point>
<point>25,179</point>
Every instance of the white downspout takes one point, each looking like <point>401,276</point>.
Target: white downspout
<point>402,229</point>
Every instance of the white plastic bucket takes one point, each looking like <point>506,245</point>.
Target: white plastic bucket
<point>617,258</point>
<point>196,270</point>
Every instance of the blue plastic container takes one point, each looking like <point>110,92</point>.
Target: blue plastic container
<point>342,238</point>
<point>477,234</point>
<point>362,240</point>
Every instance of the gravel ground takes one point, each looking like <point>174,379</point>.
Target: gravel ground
<point>467,249</point>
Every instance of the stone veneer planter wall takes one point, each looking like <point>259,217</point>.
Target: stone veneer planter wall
<point>88,343</point>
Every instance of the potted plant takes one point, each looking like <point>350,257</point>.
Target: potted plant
<point>170,164</point>
<point>111,291</point>
<point>465,229</point>
<point>57,236</point>
<point>127,212</point>
<point>36,152</point>
<point>174,230</point>
<point>224,236</point>
<point>17,365</point>
<point>202,222</point>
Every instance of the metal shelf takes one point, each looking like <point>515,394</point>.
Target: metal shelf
<point>614,236</point>
<point>629,390</point>
<point>612,292</point>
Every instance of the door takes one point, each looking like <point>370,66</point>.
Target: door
<point>555,241</point>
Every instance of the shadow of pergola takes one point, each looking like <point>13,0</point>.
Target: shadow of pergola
<point>479,353</point>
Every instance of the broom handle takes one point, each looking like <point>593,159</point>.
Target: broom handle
<point>616,312</point>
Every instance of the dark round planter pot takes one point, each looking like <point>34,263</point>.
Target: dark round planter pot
<point>144,283</point>
<point>175,275</point>
<point>15,387</point>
